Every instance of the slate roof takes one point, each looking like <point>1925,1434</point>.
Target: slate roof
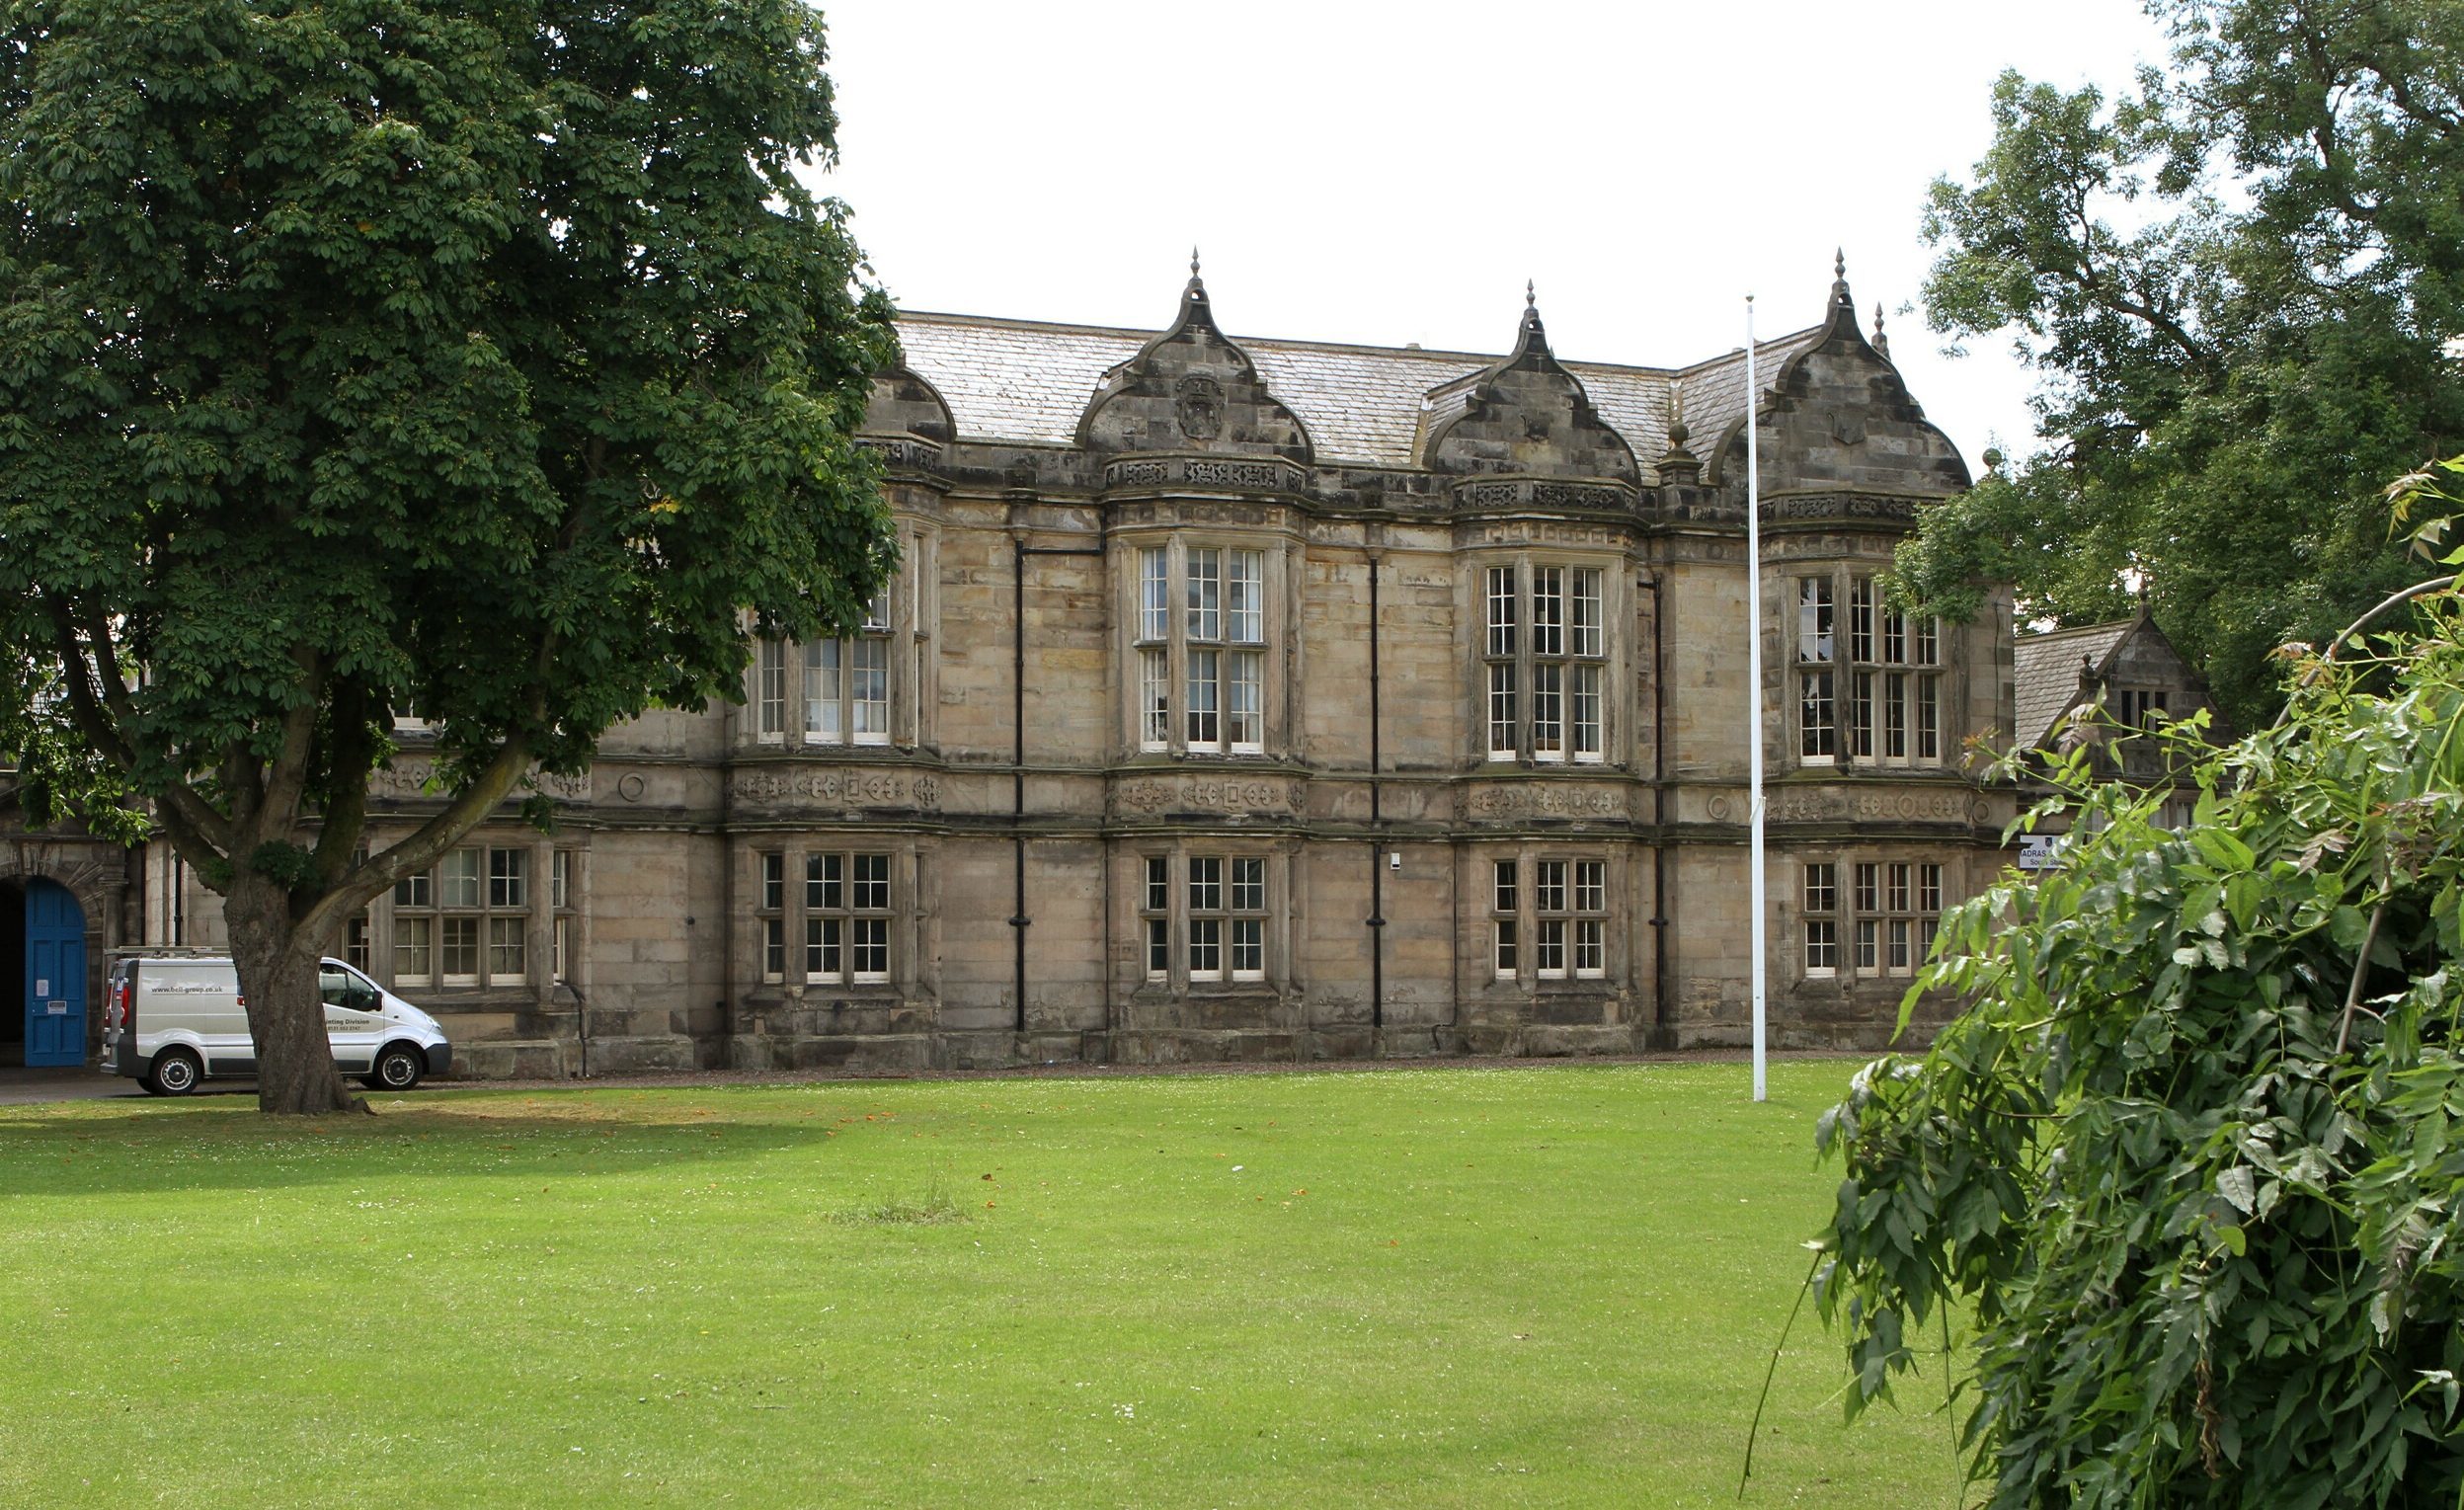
<point>1026,382</point>
<point>2047,669</point>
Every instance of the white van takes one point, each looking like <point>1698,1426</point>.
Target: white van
<point>170,1021</point>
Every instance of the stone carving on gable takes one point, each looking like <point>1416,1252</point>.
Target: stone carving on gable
<point>1523,415</point>
<point>1192,388</point>
<point>1198,403</point>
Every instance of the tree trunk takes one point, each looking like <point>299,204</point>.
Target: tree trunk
<point>278,969</point>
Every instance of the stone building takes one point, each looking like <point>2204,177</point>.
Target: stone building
<point>2110,686</point>
<point>1262,698</point>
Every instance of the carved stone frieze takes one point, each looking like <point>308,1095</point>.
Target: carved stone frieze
<point>409,778</point>
<point>1834,805</point>
<point>836,788</point>
<point>1209,794</point>
<point>1538,532</point>
<point>1207,474</point>
<point>1540,492</point>
<point>1838,506</point>
<point>903,453</point>
<point>1545,799</point>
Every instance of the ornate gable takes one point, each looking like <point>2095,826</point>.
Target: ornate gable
<point>1838,418</point>
<point>1191,389</point>
<point>1526,415</point>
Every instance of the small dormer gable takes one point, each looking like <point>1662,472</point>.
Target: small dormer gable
<point>1523,415</point>
<point>1191,388</point>
<point>906,406</point>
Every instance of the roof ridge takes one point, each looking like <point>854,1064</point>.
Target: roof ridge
<point>1303,344</point>
<point>2036,635</point>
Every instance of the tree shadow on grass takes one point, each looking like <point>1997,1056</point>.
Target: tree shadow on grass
<point>118,1150</point>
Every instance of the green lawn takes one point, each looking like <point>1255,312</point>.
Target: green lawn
<point>1441,1287</point>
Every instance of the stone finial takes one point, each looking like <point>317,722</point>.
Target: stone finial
<point>1839,282</point>
<point>1881,342</point>
<point>1993,458</point>
<point>1532,336</point>
<point>1676,430</point>
<point>1193,258</point>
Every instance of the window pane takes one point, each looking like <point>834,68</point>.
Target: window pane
<point>868,690</point>
<point>1899,889</point>
<point>1249,947</point>
<point>1821,888</point>
<point>771,688</point>
<point>1929,633</point>
<point>1547,708</point>
<point>1813,714</point>
<point>1506,890</point>
<point>1899,943</point>
<point>1929,887</point>
<point>1154,699</point>
<point>1822,945</point>
<point>877,612</point>
<point>1929,718</point>
<point>1501,616</point>
<point>356,946</point>
<point>1895,715</point>
<point>1548,886</point>
<point>1501,710</point>
<point>1548,610</point>
<point>507,954</point>
<point>509,881</point>
<point>1590,892</point>
<point>560,880</point>
<point>1548,948</point>
<point>416,890</point>
<point>872,883</point>
<point>1248,885</point>
<point>1869,945</point>
<point>1590,956</point>
<point>870,959</point>
<point>1159,884</point>
<point>1206,883</point>
<point>1203,709</point>
<point>1247,597</point>
<point>1813,619</point>
<point>559,936</point>
<point>773,882</point>
<point>1159,948</point>
<point>1153,594</point>
<point>1588,640</point>
<point>1205,948</point>
<point>1861,618</point>
<point>457,878</point>
<point>1895,636</point>
<point>1206,589</point>
<point>458,948</point>
<point>823,691</point>
<point>824,943</point>
<point>1868,888</point>
<point>1245,699</point>
<point>1861,715</point>
<point>414,950</point>
<point>1586,699</point>
<point>1504,950</point>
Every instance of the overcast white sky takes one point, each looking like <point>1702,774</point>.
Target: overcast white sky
<point>1388,173</point>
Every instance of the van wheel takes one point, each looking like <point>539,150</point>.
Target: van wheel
<point>175,1073</point>
<point>397,1068</point>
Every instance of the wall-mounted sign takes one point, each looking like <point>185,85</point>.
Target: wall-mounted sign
<point>2040,851</point>
<point>43,987</point>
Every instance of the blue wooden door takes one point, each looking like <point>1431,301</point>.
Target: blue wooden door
<point>55,976</point>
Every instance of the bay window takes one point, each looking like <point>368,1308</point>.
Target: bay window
<point>1544,651</point>
<point>1201,670</point>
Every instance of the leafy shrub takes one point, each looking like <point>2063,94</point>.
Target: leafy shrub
<point>2190,1166</point>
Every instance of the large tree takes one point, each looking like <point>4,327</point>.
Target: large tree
<point>2234,278</point>
<point>485,358</point>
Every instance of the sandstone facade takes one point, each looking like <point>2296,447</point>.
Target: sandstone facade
<point>1268,699</point>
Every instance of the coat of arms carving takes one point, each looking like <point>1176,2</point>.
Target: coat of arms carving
<point>1848,427</point>
<point>1198,402</point>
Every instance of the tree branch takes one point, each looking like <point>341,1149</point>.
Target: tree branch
<point>102,713</point>
<point>426,842</point>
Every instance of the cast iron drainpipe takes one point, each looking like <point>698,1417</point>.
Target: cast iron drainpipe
<point>1019,921</point>
<point>1659,801</point>
<point>1377,830</point>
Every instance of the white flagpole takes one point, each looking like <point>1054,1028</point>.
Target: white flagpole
<point>1754,688</point>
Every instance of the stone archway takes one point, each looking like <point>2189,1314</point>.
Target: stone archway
<point>93,871</point>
